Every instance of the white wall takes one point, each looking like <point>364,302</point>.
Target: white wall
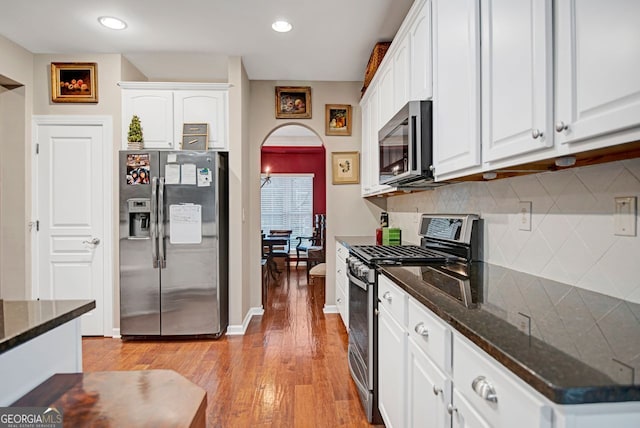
<point>347,213</point>
<point>15,192</point>
<point>571,239</point>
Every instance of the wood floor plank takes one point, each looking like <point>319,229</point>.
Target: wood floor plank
<point>288,370</point>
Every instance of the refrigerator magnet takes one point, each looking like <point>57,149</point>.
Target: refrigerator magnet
<point>204,177</point>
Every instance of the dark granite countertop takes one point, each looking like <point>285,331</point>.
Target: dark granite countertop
<point>23,320</point>
<point>348,241</point>
<point>583,347</point>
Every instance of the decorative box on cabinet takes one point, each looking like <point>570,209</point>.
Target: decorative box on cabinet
<point>163,107</point>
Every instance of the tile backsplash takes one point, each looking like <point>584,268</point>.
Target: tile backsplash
<point>572,229</point>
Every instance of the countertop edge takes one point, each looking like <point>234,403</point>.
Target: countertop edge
<point>46,326</point>
<point>557,394</point>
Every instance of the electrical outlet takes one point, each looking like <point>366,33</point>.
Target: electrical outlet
<point>524,216</point>
<point>624,216</point>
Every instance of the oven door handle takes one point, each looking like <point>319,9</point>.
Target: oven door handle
<point>357,281</point>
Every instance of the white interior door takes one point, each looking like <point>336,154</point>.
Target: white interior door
<point>70,198</point>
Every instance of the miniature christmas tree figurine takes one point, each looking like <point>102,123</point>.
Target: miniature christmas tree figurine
<point>134,137</point>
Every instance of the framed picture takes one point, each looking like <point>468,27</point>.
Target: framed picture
<point>345,167</point>
<point>293,102</point>
<point>74,82</point>
<point>337,119</point>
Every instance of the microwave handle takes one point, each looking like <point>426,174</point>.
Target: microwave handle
<point>415,152</point>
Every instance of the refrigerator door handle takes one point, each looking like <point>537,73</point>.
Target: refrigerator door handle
<point>154,225</point>
<point>162,260</point>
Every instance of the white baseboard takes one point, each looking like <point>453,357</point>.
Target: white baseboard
<point>239,330</point>
<point>116,333</point>
<point>330,309</point>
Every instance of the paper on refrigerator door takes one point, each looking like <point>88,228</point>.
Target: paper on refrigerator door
<point>204,177</point>
<point>189,174</point>
<point>185,224</point>
<point>172,174</point>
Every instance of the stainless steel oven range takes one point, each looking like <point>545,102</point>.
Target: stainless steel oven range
<point>449,244</point>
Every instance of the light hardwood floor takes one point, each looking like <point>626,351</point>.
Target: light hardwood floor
<point>288,370</point>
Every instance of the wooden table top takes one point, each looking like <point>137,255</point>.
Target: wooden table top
<point>157,398</point>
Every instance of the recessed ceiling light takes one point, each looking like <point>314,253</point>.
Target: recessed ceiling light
<point>112,23</point>
<point>281,26</point>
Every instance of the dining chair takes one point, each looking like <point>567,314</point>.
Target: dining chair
<point>282,251</point>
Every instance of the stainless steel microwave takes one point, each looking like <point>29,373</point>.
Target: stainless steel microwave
<point>405,146</point>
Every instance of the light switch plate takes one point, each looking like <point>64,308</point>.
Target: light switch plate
<point>624,216</point>
<point>524,215</point>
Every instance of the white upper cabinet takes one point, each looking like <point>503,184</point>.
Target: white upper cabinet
<point>598,58</point>
<point>155,109</point>
<point>365,153</point>
<point>456,101</point>
<point>208,107</point>
<point>517,77</point>
<point>401,75</point>
<point>386,97</point>
<point>420,55</point>
<point>164,107</point>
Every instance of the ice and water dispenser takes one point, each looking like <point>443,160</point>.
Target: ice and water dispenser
<point>139,217</point>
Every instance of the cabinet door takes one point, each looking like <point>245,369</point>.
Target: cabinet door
<point>155,109</point>
<point>420,48</point>
<point>456,123</point>
<point>385,93</point>
<point>401,74</point>
<point>464,415</point>
<point>391,370</point>
<point>517,77</point>
<point>367,141</point>
<point>598,89</point>
<point>428,391</point>
<point>203,107</point>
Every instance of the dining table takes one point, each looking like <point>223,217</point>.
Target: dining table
<point>270,242</point>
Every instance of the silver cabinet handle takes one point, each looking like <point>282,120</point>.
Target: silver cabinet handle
<point>432,168</point>
<point>376,311</point>
<point>339,270</point>
<point>339,300</point>
<point>561,126</point>
<point>536,133</point>
<point>387,296</point>
<point>422,330</point>
<point>94,241</point>
<point>451,408</point>
<point>484,389</point>
<point>437,390</point>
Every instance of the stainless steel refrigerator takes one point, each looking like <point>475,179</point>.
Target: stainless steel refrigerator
<point>173,243</point>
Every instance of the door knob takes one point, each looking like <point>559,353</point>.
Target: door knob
<point>536,133</point>
<point>94,241</point>
<point>561,126</point>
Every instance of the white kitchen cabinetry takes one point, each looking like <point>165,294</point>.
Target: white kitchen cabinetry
<point>386,96</point>
<point>428,368</point>
<point>517,77</point>
<point>456,101</point>
<point>401,74</point>
<point>370,155</point>
<point>342,283</point>
<point>163,108</point>
<point>502,399</point>
<point>392,346</point>
<point>420,57</point>
<point>202,107</point>
<point>155,109</point>
<point>598,57</point>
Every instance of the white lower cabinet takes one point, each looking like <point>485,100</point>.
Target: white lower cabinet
<point>342,283</point>
<point>392,346</point>
<point>428,391</point>
<point>464,415</point>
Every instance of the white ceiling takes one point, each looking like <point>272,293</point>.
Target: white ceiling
<point>191,39</point>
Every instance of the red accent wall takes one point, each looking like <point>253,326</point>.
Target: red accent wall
<point>290,160</point>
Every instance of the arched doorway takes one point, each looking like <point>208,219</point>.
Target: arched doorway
<point>293,193</point>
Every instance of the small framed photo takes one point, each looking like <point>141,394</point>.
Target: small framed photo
<point>195,142</point>
<point>293,102</point>
<point>345,167</point>
<point>337,119</point>
<point>74,82</point>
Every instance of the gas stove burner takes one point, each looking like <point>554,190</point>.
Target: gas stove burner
<point>391,254</point>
